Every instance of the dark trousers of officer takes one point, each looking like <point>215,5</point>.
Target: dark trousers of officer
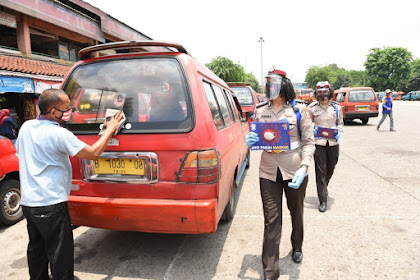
<point>272,194</point>
<point>326,158</point>
<point>50,242</point>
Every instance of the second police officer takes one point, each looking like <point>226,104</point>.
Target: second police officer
<point>327,114</point>
<point>283,171</point>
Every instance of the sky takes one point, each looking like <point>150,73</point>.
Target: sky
<point>297,34</point>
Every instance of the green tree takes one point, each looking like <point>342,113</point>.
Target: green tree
<point>415,66</point>
<point>338,76</point>
<point>357,78</point>
<point>250,79</point>
<point>413,83</point>
<point>316,74</point>
<point>226,69</point>
<point>389,67</point>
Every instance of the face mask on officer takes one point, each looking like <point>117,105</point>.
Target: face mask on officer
<point>322,96</point>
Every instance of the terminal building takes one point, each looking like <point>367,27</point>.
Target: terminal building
<point>39,43</point>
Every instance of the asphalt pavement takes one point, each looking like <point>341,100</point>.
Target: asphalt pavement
<point>371,229</point>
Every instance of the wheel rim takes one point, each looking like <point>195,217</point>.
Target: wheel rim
<point>11,202</point>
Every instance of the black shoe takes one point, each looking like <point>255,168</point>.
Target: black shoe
<point>297,256</point>
<point>322,207</point>
<point>377,128</point>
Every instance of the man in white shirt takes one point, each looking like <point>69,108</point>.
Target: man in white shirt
<point>45,174</point>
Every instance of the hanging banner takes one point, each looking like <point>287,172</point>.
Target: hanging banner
<point>41,85</point>
<point>16,84</point>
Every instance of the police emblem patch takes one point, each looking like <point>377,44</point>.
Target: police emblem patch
<point>308,115</point>
<point>289,112</point>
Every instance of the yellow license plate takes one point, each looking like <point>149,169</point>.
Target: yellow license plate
<point>362,108</point>
<point>123,166</point>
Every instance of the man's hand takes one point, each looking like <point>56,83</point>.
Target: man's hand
<point>94,151</point>
<point>389,109</point>
<point>113,123</point>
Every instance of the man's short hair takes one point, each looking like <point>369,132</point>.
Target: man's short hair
<point>48,99</point>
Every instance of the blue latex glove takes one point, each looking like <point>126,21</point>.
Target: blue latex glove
<point>298,178</point>
<point>315,129</point>
<point>338,135</point>
<point>251,138</point>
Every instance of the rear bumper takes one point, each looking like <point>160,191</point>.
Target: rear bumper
<point>359,115</point>
<point>146,215</point>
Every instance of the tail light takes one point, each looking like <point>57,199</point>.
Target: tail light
<point>200,167</point>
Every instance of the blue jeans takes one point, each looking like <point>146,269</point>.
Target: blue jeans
<point>391,117</point>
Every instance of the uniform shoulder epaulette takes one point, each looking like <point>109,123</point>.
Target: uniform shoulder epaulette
<point>261,104</point>
<point>313,104</point>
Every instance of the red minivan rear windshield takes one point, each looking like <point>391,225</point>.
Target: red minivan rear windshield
<point>151,92</point>
<point>244,95</point>
<point>363,95</point>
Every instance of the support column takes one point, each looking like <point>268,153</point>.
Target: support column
<point>23,36</point>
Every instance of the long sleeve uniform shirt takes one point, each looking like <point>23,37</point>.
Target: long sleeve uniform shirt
<point>326,117</point>
<point>287,161</point>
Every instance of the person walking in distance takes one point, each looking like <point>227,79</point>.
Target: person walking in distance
<point>45,174</point>
<point>387,110</point>
<point>284,170</point>
<point>325,114</point>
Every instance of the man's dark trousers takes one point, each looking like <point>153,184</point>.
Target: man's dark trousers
<point>271,194</point>
<point>50,241</point>
<point>326,158</point>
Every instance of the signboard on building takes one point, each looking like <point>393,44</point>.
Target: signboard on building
<point>40,85</point>
<point>7,20</point>
<point>16,84</point>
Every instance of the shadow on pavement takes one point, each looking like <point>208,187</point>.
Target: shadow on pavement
<point>312,202</point>
<point>252,264</point>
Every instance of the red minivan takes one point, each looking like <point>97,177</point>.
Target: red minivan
<point>174,165</point>
<point>357,103</point>
<point>10,209</point>
<point>247,97</point>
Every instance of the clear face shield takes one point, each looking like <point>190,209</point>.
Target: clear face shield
<point>272,86</point>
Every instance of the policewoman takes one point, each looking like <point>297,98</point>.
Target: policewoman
<point>283,171</point>
<point>327,114</point>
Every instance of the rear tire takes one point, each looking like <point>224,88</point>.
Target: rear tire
<point>229,211</point>
<point>364,120</point>
<point>11,210</point>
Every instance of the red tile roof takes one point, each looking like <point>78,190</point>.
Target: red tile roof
<point>33,66</point>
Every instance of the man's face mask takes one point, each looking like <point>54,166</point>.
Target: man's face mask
<point>65,115</point>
